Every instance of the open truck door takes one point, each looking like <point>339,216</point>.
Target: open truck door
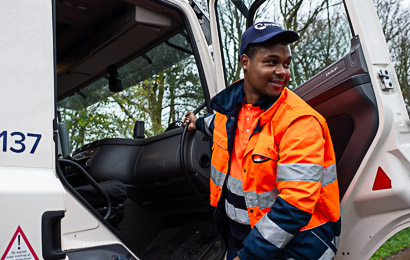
<point>359,95</point>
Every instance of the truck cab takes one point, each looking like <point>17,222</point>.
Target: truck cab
<point>95,163</point>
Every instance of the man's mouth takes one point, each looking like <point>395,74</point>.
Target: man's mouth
<point>278,83</point>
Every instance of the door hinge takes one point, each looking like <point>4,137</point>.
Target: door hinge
<point>386,82</point>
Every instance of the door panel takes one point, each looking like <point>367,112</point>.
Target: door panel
<point>343,94</point>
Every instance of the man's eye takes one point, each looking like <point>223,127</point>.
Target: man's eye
<point>273,62</point>
<point>286,65</point>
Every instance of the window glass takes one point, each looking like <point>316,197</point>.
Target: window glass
<point>232,23</point>
<point>323,28</point>
<point>159,87</point>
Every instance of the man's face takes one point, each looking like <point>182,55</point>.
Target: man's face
<point>267,73</point>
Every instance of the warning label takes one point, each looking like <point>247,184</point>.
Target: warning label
<point>19,248</point>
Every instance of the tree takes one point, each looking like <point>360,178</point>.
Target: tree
<point>158,100</point>
<point>323,40</point>
<point>232,24</point>
<point>324,34</point>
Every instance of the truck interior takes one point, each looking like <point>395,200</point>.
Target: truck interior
<point>106,53</point>
<point>136,62</point>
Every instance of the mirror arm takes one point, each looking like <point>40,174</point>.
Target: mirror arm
<point>252,10</point>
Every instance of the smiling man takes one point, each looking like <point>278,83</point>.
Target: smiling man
<point>273,174</point>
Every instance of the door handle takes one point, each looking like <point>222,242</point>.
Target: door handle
<point>51,235</point>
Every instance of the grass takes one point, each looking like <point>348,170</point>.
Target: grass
<point>392,246</point>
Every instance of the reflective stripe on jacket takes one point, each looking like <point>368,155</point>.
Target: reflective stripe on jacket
<point>289,168</point>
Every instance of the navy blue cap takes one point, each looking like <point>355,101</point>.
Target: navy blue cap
<point>264,31</point>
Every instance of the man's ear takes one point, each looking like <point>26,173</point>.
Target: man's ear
<point>245,60</point>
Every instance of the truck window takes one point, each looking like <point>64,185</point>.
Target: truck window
<point>323,28</point>
<point>158,87</point>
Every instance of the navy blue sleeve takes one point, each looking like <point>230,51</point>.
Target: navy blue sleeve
<point>273,231</point>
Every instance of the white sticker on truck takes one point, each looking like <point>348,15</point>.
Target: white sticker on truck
<point>19,248</point>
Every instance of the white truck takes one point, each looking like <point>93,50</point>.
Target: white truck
<point>87,192</point>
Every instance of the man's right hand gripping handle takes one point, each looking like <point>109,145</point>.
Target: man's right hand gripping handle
<point>190,119</point>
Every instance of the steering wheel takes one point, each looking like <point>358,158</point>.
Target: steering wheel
<point>182,159</point>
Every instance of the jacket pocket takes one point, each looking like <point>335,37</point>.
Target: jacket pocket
<point>264,164</point>
<point>265,150</point>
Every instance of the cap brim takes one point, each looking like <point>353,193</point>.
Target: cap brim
<point>286,36</point>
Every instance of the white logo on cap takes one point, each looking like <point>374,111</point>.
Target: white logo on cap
<point>261,26</point>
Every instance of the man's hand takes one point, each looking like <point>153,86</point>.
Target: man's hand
<point>237,258</point>
<point>190,119</point>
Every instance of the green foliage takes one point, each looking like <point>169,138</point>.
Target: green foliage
<point>158,101</point>
<point>393,245</point>
<point>324,41</point>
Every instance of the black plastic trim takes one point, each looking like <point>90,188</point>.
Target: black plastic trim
<point>220,41</point>
<point>130,142</point>
<point>240,5</point>
<point>183,165</point>
<point>339,88</point>
<point>50,220</point>
<point>55,127</point>
<point>95,213</point>
<point>93,183</point>
<point>252,10</point>
<point>348,19</point>
<point>51,235</point>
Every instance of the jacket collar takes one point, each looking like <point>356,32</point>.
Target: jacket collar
<point>268,114</point>
<point>230,100</point>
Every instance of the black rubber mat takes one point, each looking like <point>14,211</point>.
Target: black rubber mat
<point>199,241</point>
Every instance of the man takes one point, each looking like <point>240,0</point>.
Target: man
<point>273,173</point>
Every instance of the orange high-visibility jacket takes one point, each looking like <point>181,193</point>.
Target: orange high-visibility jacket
<point>289,169</point>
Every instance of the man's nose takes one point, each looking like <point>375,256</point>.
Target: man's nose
<point>280,70</point>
